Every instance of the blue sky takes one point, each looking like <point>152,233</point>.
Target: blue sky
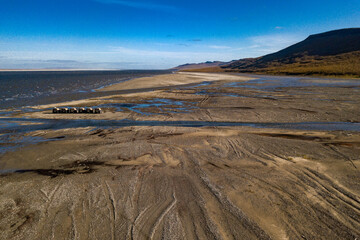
<point>139,34</point>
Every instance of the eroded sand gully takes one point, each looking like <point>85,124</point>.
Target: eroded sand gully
<point>156,182</point>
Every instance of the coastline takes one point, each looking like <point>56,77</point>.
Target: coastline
<point>169,80</point>
<point>36,88</point>
<point>190,89</point>
<point>269,73</point>
<point>57,70</point>
<point>186,181</point>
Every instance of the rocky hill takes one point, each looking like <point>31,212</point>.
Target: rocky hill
<point>334,53</point>
<point>207,64</point>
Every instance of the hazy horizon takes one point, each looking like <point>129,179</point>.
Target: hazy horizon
<point>157,34</point>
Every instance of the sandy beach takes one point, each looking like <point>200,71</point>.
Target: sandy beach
<point>235,158</point>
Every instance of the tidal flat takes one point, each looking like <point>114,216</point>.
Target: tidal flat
<point>187,156</point>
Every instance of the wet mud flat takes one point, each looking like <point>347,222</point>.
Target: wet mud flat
<point>212,160</point>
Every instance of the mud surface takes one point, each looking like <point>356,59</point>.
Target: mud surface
<point>208,160</point>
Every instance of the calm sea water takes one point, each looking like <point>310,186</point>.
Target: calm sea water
<point>18,89</point>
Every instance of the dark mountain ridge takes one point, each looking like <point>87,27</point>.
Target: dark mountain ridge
<point>333,53</point>
<point>323,44</point>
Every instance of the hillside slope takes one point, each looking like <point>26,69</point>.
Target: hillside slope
<point>334,53</point>
<point>207,64</point>
<point>323,44</point>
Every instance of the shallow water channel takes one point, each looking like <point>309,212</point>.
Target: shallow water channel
<point>13,130</point>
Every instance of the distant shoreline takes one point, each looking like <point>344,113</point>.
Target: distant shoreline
<point>58,70</point>
<point>269,73</point>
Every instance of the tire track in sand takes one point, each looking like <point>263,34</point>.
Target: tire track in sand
<point>109,196</point>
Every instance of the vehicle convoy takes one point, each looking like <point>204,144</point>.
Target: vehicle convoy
<point>77,110</point>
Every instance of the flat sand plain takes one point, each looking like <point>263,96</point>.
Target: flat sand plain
<point>169,182</point>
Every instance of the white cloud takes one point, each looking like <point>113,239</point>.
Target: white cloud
<point>137,4</point>
<point>140,55</point>
<point>274,42</point>
<point>133,52</point>
<point>257,46</point>
<point>65,64</point>
<point>219,47</point>
<point>118,57</point>
<point>171,56</point>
